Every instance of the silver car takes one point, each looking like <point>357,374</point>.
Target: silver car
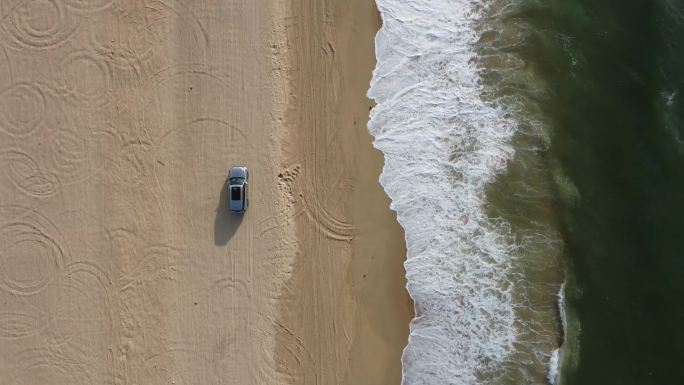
<point>237,189</point>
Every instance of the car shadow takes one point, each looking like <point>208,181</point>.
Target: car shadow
<point>226,222</point>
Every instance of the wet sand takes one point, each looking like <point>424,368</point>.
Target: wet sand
<point>346,299</point>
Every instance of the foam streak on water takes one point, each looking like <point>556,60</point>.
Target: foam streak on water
<point>556,355</point>
<point>443,145</point>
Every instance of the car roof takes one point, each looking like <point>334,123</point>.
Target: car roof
<point>238,172</point>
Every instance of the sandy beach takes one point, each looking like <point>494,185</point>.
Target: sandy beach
<point>346,298</point>
<point>120,262</point>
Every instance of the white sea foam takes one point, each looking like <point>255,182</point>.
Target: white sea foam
<point>557,355</point>
<point>553,367</point>
<point>443,145</point>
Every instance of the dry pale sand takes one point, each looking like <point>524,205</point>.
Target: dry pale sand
<point>119,262</point>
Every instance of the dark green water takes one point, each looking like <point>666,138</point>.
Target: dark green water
<point>598,88</point>
<point>615,77</point>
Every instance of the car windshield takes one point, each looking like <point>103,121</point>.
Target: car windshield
<point>235,193</point>
<point>236,180</point>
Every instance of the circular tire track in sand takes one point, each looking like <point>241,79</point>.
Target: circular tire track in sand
<point>197,137</point>
<point>28,176</point>
<point>15,325</point>
<point>179,364</point>
<point>79,316</point>
<point>188,90</point>
<point>38,24</point>
<point>85,79</point>
<point>22,109</point>
<point>77,157</point>
<point>6,77</point>
<point>70,346</point>
<point>32,251</point>
<point>88,6</point>
<point>139,41</point>
<point>39,366</point>
<point>227,134</point>
<point>318,201</point>
<point>125,43</point>
<point>184,148</point>
<point>325,221</point>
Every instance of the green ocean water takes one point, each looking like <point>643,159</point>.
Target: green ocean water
<point>598,178</point>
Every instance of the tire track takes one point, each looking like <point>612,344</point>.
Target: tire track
<point>85,79</point>
<point>157,263</point>
<point>21,28</point>
<point>116,124</point>
<point>16,325</point>
<point>134,37</point>
<point>88,6</point>
<point>199,125</point>
<point>75,157</point>
<point>28,176</point>
<point>22,109</point>
<point>81,321</point>
<point>134,165</point>
<point>35,365</point>
<point>27,237</point>
<point>179,363</point>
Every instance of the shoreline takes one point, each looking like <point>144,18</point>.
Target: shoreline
<point>346,303</point>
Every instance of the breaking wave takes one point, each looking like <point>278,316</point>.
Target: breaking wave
<point>443,145</point>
